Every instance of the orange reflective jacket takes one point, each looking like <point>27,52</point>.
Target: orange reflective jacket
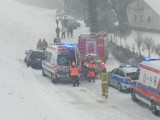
<point>92,66</point>
<point>74,71</point>
<point>91,74</point>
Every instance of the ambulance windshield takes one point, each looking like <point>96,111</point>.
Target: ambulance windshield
<point>65,57</point>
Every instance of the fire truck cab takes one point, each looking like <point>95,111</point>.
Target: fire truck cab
<point>57,61</point>
<point>147,85</point>
<point>93,44</point>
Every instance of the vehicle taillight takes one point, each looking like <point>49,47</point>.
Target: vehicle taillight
<point>102,63</point>
<point>128,79</point>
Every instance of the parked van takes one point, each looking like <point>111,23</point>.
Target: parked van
<point>57,61</point>
<point>147,85</point>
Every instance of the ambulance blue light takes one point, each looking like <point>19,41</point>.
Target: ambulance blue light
<point>71,46</point>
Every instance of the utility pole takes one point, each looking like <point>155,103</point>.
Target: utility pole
<point>93,15</point>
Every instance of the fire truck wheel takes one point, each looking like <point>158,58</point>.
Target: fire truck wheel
<point>43,73</point>
<point>133,96</point>
<point>154,108</point>
<point>119,87</point>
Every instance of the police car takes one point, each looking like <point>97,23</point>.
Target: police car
<point>121,77</point>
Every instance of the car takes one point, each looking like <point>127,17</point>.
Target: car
<point>74,23</point>
<point>34,58</point>
<point>122,77</point>
<point>61,15</point>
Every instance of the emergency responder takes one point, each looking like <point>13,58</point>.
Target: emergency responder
<point>104,82</point>
<point>44,44</point>
<point>91,72</point>
<point>85,67</point>
<point>39,45</point>
<point>74,73</point>
<point>63,30</point>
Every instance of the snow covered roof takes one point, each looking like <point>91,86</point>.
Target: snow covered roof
<point>154,4</point>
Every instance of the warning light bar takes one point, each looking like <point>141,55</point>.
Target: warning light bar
<point>150,59</point>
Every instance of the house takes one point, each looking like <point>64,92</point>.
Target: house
<point>144,15</point>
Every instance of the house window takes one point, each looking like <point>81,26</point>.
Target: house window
<point>135,18</point>
<point>141,18</point>
<point>149,19</point>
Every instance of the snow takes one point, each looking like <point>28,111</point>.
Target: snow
<point>154,4</point>
<point>27,95</point>
<point>130,41</point>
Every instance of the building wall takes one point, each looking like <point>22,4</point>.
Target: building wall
<point>142,16</point>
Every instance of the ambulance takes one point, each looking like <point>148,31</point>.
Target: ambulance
<point>147,85</point>
<point>57,61</point>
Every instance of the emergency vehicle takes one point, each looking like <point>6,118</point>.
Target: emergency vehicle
<point>147,85</point>
<point>93,44</point>
<point>57,61</point>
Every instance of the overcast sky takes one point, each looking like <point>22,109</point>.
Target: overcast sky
<point>44,3</point>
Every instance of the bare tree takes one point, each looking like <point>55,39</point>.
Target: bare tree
<point>149,43</point>
<point>157,49</point>
<point>138,39</point>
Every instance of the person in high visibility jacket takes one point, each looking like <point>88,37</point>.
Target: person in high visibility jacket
<point>74,73</point>
<point>104,83</point>
<point>91,73</point>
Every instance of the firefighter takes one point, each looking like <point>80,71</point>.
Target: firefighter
<point>74,73</point>
<point>39,45</point>
<point>91,72</point>
<point>104,82</point>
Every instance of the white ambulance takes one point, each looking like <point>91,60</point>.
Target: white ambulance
<point>57,61</point>
<point>147,85</point>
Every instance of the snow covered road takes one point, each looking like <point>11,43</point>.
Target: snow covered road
<point>27,95</point>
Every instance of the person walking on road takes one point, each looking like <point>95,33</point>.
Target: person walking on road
<point>57,31</point>
<point>74,72</point>
<point>104,83</point>
<point>63,30</point>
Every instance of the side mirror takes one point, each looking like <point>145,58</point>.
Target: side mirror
<point>26,52</point>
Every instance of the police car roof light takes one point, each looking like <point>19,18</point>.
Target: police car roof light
<point>150,59</point>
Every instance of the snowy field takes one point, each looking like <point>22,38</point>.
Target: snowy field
<point>26,95</point>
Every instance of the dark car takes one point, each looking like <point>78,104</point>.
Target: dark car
<point>74,23</point>
<point>34,58</point>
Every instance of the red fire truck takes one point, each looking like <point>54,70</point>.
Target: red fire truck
<point>93,44</point>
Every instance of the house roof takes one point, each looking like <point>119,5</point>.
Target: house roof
<point>154,4</point>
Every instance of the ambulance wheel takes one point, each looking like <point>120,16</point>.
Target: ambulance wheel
<point>154,108</point>
<point>43,73</point>
<point>133,96</point>
<point>119,87</point>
